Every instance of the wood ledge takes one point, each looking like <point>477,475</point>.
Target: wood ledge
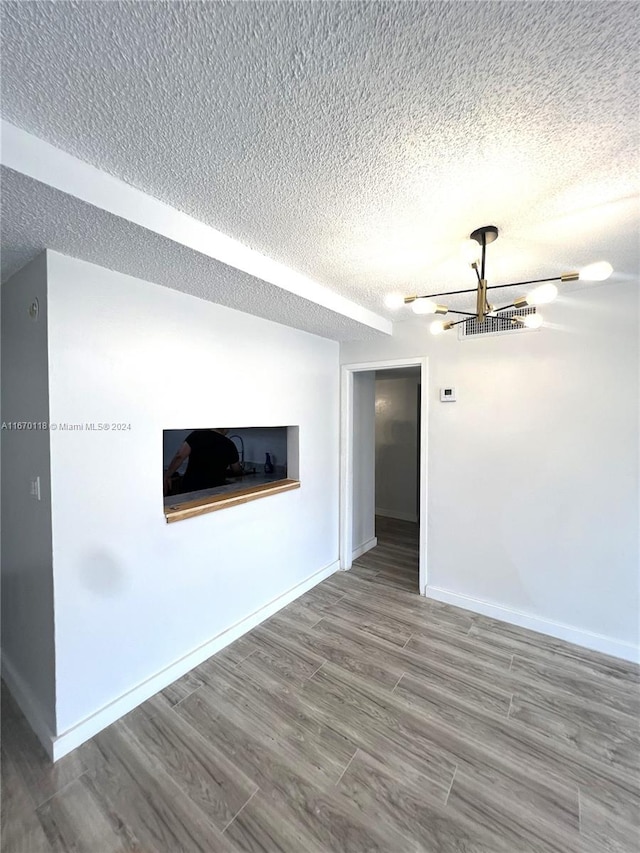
<point>189,509</point>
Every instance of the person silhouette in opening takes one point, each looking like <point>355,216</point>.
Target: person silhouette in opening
<point>210,454</point>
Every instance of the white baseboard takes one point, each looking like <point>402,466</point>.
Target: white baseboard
<point>28,704</point>
<point>587,639</point>
<point>87,728</point>
<point>366,546</point>
<point>400,516</point>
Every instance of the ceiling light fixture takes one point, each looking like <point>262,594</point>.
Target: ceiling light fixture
<point>475,252</point>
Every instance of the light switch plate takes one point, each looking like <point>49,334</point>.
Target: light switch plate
<point>447,395</point>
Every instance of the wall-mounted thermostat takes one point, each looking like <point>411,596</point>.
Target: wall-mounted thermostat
<point>447,395</point>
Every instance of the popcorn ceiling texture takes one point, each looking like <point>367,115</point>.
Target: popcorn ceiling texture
<point>54,220</point>
<point>358,142</point>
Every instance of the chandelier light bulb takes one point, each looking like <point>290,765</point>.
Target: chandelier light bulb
<point>437,327</point>
<point>542,295</point>
<point>599,271</point>
<point>470,251</point>
<point>394,301</point>
<point>533,321</point>
<point>424,306</point>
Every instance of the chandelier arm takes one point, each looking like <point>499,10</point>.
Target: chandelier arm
<point>531,281</point>
<point>475,266</point>
<point>504,307</point>
<point>448,293</point>
<point>466,313</point>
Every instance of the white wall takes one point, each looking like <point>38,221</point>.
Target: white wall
<point>396,428</point>
<point>27,582</point>
<point>364,462</point>
<point>133,595</point>
<point>533,473</point>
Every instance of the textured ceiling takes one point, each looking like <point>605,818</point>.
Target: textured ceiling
<point>54,220</point>
<point>356,142</point>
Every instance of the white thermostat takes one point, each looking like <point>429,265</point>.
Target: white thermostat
<point>447,395</point>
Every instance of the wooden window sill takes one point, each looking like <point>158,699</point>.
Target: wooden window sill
<point>178,512</point>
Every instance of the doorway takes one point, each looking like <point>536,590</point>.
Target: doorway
<point>357,452</point>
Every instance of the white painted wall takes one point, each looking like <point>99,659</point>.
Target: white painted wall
<point>134,595</point>
<point>364,462</point>
<point>533,473</point>
<point>27,581</point>
<point>396,430</point>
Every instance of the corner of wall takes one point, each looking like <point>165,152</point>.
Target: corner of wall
<point>27,576</point>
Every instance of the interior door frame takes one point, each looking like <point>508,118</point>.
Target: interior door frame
<point>346,456</point>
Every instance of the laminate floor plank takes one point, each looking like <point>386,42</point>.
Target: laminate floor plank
<point>21,830</point>
<point>263,712</point>
<point>264,743</point>
<point>284,703</point>
<point>463,656</point>
<point>343,653</point>
<point>610,744</point>
<point>265,826</point>
<point>399,799</point>
<point>41,778</point>
<point>540,647</point>
<point>609,820</point>
<point>147,799</point>
<point>76,818</point>
<point>211,781</point>
<point>305,614</point>
<point>236,652</point>
<point>612,693</point>
<point>320,597</point>
<point>298,659</point>
<point>435,767</point>
<point>478,739</point>
<point>521,745</point>
<point>509,812</point>
<point>392,557</point>
<point>181,688</point>
<point>287,776</point>
<point>361,717</point>
<point>376,726</point>
<point>396,580</point>
<point>477,692</point>
<point>387,628</point>
<point>567,709</point>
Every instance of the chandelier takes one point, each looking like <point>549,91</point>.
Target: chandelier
<point>476,254</point>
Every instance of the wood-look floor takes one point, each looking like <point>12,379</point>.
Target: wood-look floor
<point>359,718</point>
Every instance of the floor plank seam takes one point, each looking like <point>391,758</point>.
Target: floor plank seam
<point>510,706</point>
<point>59,791</point>
<point>240,809</point>
<point>511,662</point>
<point>180,701</point>
<point>408,641</point>
<point>339,779</point>
<point>402,675</point>
<point>455,770</point>
<point>247,657</point>
<point>316,670</point>
<point>579,812</point>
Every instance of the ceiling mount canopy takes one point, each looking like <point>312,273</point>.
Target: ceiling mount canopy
<point>475,251</point>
